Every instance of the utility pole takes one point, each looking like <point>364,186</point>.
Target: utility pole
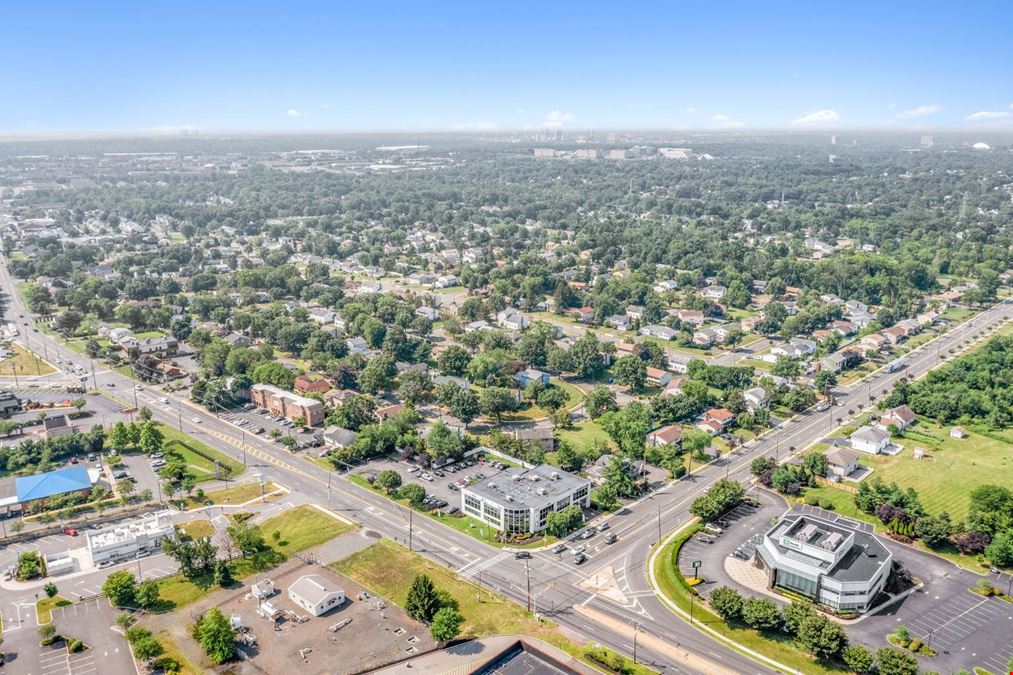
<point>636,629</point>
<point>659,519</point>
<point>179,415</point>
<point>691,608</point>
<point>328,487</point>
<point>94,380</point>
<point>527,575</point>
<point>410,533</point>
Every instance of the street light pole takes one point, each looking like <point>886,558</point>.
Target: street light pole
<point>636,629</point>
<point>527,575</point>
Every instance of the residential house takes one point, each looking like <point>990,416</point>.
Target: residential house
<point>870,440</point>
<point>635,312</point>
<point>450,379</point>
<point>583,314</point>
<point>161,347</point>
<point>705,337</point>
<point>656,377</point>
<point>720,416</point>
<point>756,398</point>
<point>841,462</point>
<point>958,433</point>
<point>541,436</point>
<point>334,397</point>
<point>678,362</point>
<point>873,342</point>
<point>845,328</point>
<point>481,324</point>
<point>619,322</point>
<point>659,331</point>
<point>895,334</point>
<point>693,317</point>
<point>430,313</point>
<point>670,435</point>
<point>306,384</point>
<point>674,387</point>
<point>666,286</point>
<point>387,411</point>
<point>357,345</point>
<point>511,319</point>
<point>529,375</point>
<point>336,437</point>
<point>713,292</point>
<point>596,472</point>
<point>901,417</point>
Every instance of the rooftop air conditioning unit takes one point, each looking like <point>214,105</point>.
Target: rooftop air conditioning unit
<point>509,498</point>
<point>555,475</point>
<point>543,491</point>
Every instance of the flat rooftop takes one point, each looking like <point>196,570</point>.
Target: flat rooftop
<point>861,562</point>
<point>531,488</point>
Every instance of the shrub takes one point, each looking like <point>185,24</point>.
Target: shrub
<point>914,644</point>
<point>727,602</point>
<point>47,633</point>
<point>74,645</point>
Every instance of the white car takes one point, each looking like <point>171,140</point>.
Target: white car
<point>195,420</point>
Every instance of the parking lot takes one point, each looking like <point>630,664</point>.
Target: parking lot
<point>374,632</point>
<point>741,530</point>
<point>261,423</point>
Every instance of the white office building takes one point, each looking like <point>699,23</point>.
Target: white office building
<point>125,541</point>
<point>826,558</point>
<point>519,500</point>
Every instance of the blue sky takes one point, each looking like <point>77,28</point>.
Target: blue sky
<point>376,65</point>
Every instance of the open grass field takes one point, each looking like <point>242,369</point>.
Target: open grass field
<point>24,363</point>
<point>950,469</point>
<point>177,441</point>
<point>387,570</point>
<point>574,397</point>
<point>583,433</point>
<point>301,528</point>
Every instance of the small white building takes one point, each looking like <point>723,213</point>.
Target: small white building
<point>871,440</point>
<point>263,589</point>
<point>315,594</point>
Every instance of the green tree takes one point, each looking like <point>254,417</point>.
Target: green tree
<point>631,371</point>
<point>446,624</point>
<point>414,493</point>
<point>151,439</point>
<point>628,427</point>
<point>47,632</point>
<point>453,361</point>
<point>464,404</point>
<point>727,602</point>
<point>378,375</point>
<point>761,613</point>
<point>617,478</point>
<point>273,373</point>
<point>934,530</point>
<point>119,436</point>
<point>552,399</point>
<point>144,414</point>
<point>496,401</point>
<point>599,401</point>
<point>50,589</point>
<point>147,594</point>
<point>857,658</point>
<point>216,637</point>
<point>559,523</point>
<point>785,366</point>
<point>222,575</point>
<point>120,587</point>
<point>148,648</point>
<point>795,613</point>
<point>388,480</point>
<point>423,602</point>
<point>893,661</point>
<point>820,636</point>
<point>1000,551</point>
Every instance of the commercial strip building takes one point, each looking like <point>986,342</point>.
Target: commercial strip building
<point>286,404</point>
<point>128,540</point>
<point>519,501</point>
<point>24,493</point>
<point>828,559</point>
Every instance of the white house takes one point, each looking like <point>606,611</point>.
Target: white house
<point>529,375</point>
<point>662,332</point>
<point>511,319</point>
<point>619,322</point>
<point>871,440</point>
<point>315,594</point>
<point>756,398</point>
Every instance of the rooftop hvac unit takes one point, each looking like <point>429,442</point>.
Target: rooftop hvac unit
<point>492,485</point>
<point>533,478</point>
<point>515,478</point>
<point>543,491</point>
<point>555,475</point>
<point>509,498</point>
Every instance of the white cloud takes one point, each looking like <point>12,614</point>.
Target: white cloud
<point>988,115</point>
<point>294,114</point>
<point>818,117</point>
<point>557,118</point>
<point>521,111</point>
<point>476,126</point>
<point>724,121</point>
<point>691,110</point>
<point>920,111</point>
<point>326,106</point>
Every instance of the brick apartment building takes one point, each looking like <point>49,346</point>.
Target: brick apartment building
<point>287,404</point>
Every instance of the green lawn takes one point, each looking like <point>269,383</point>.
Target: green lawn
<point>957,314</point>
<point>574,397</point>
<point>583,433</point>
<point>178,441</point>
<point>774,644</point>
<point>300,528</point>
<point>44,607</point>
<point>24,363</point>
<point>951,468</point>
<point>197,529</point>
<point>388,570</point>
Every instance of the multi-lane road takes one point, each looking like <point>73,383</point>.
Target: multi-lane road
<point>608,597</point>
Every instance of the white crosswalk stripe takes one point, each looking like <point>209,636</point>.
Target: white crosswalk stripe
<point>473,568</point>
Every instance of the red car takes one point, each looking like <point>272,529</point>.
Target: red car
<point>71,532</point>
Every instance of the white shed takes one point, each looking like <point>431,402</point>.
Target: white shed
<point>315,594</point>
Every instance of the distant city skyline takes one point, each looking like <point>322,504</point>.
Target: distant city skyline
<point>456,66</point>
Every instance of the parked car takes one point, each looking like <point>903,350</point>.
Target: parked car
<point>588,533</point>
<point>71,532</point>
<point>603,526</point>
